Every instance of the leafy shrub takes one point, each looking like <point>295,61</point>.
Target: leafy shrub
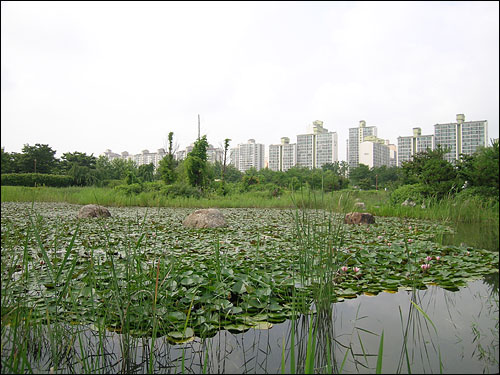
<point>153,186</point>
<point>130,189</point>
<point>415,192</point>
<point>111,183</point>
<point>36,179</point>
<point>479,192</point>
<point>181,189</point>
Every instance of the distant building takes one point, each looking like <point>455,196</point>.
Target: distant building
<point>356,136</point>
<point>393,154</point>
<point>248,155</point>
<point>461,137</point>
<point>374,152</point>
<point>213,153</point>
<point>111,155</point>
<point>145,157</point>
<point>416,143</point>
<point>317,147</point>
<point>282,157</point>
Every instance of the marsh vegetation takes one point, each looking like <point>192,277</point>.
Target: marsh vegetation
<point>138,292</point>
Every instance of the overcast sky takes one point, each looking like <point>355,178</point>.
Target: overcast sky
<point>91,76</point>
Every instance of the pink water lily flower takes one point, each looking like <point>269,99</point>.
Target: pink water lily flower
<point>355,269</point>
<point>425,266</point>
<point>428,258</point>
<point>438,257</point>
<point>344,268</point>
<point>410,240</point>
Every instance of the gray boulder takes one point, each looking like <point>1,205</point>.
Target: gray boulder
<point>359,218</point>
<point>206,218</point>
<point>93,210</point>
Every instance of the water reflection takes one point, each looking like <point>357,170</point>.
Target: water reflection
<point>477,235</point>
<point>462,338</point>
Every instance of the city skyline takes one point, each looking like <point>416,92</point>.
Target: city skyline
<point>121,75</point>
<point>363,145</point>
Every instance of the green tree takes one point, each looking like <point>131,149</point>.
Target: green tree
<point>481,170</point>
<point>68,159</point>
<point>431,169</point>
<point>39,158</point>
<point>167,165</point>
<point>362,177</point>
<point>197,170</point>
<point>80,166</point>
<point>145,172</point>
<point>226,148</point>
<point>10,162</point>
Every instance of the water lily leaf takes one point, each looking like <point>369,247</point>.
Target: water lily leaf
<point>176,316</point>
<point>239,287</point>
<point>263,325</point>
<point>237,327</point>
<point>187,281</point>
<point>236,309</point>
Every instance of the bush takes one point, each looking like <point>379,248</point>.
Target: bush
<point>36,179</point>
<point>110,183</point>
<point>181,189</point>
<point>153,186</point>
<point>483,192</point>
<point>129,189</point>
<point>415,192</point>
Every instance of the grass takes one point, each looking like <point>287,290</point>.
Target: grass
<point>377,202</point>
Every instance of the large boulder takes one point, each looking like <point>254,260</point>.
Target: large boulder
<point>93,210</point>
<point>359,218</point>
<point>206,218</point>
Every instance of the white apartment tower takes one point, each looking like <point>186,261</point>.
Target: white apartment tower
<point>282,157</point>
<point>317,148</point>
<point>145,157</point>
<point>356,136</point>
<point>374,152</point>
<point>214,154</point>
<point>248,155</point>
<point>416,143</point>
<point>461,137</point>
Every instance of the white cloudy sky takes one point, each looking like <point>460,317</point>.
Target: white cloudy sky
<point>88,76</point>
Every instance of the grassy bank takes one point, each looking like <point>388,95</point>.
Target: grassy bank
<point>376,202</point>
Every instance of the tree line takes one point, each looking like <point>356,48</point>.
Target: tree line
<point>427,174</point>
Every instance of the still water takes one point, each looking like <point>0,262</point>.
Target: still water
<point>458,333</point>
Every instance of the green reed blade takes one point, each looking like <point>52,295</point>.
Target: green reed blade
<point>66,255</point>
<point>380,354</point>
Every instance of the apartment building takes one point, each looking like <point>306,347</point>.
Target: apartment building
<point>145,157</point>
<point>248,155</point>
<point>357,136</point>
<point>317,147</point>
<point>374,152</point>
<point>283,156</point>
<point>461,137</point>
<point>416,143</point>
<point>214,154</point>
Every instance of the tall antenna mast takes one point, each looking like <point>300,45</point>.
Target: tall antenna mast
<point>198,127</point>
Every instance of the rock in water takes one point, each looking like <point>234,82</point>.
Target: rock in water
<point>359,218</point>
<point>93,210</point>
<point>206,218</point>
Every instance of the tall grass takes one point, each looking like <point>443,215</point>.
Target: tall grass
<point>450,209</point>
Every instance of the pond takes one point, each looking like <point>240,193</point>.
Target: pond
<point>424,328</point>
